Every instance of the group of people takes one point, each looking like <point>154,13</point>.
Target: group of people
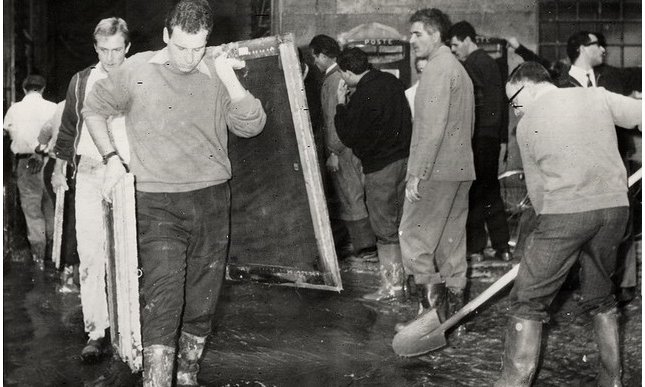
<point>428,184</point>
<point>421,193</point>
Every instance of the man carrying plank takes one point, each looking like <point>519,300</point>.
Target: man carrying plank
<point>178,104</point>
<point>578,186</point>
<point>74,147</point>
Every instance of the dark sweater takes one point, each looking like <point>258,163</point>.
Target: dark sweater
<point>376,123</point>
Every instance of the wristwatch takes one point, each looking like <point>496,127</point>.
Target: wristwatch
<point>107,156</point>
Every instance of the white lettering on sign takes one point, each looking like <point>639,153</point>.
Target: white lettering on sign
<point>378,42</point>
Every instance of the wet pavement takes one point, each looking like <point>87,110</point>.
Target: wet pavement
<point>281,336</point>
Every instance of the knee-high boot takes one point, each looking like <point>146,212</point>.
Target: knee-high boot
<point>605,327</point>
<point>392,275</point>
<point>191,348</point>
<point>158,363</point>
<point>521,352</point>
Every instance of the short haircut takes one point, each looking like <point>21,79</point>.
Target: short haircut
<point>529,72</point>
<point>353,59</point>
<point>112,26</point>
<point>191,16</point>
<point>462,30</point>
<point>434,18</point>
<point>34,83</point>
<point>326,45</point>
<point>575,41</point>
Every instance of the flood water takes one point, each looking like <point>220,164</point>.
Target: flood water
<point>280,336</point>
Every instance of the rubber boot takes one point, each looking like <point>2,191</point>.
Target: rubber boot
<point>432,296</point>
<point>158,362</point>
<point>191,348</point>
<point>361,234</point>
<point>521,352</point>
<point>605,327</point>
<point>392,275</point>
<point>456,298</point>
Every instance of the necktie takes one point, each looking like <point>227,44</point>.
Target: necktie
<point>589,83</point>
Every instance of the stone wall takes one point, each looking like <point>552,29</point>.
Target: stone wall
<point>496,18</point>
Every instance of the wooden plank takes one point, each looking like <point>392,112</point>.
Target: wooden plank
<point>280,231</point>
<point>123,274</point>
<point>59,213</point>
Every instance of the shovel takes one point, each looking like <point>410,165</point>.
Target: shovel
<point>427,333</point>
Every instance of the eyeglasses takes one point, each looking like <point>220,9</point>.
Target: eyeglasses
<point>597,43</point>
<point>510,100</point>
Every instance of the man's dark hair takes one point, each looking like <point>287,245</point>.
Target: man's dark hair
<point>353,59</point>
<point>326,45</point>
<point>575,41</point>
<point>530,71</point>
<point>34,83</point>
<point>434,18</point>
<point>462,30</point>
<point>191,16</point>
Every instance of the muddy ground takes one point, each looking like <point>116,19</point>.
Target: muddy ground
<point>279,336</point>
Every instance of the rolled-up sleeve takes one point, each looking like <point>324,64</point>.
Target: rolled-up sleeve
<point>246,117</point>
<point>108,97</point>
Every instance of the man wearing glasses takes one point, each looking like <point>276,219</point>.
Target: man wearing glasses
<point>578,186</point>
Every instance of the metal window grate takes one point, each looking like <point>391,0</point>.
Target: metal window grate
<point>618,20</point>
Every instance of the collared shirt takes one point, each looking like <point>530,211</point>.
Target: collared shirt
<point>331,68</point>
<point>163,58</point>
<point>24,120</point>
<point>580,75</point>
<point>49,132</point>
<point>116,124</point>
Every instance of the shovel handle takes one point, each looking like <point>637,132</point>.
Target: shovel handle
<point>480,299</point>
<point>635,177</point>
<point>503,281</point>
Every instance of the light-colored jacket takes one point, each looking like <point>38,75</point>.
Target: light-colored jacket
<point>443,122</point>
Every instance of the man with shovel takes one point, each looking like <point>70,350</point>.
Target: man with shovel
<point>578,186</point>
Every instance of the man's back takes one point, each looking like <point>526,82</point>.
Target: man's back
<point>24,120</point>
<point>377,123</point>
<point>489,90</point>
<point>568,145</point>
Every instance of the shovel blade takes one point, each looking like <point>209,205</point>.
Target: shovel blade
<point>420,336</point>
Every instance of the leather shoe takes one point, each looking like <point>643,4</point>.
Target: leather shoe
<point>504,254</point>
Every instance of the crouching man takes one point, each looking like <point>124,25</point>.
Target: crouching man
<point>578,186</point>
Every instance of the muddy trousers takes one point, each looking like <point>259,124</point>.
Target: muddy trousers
<point>183,242</point>
<point>36,206</point>
<point>92,246</point>
<point>349,186</point>
<point>486,208</point>
<point>555,245</point>
<point>433,233</point>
